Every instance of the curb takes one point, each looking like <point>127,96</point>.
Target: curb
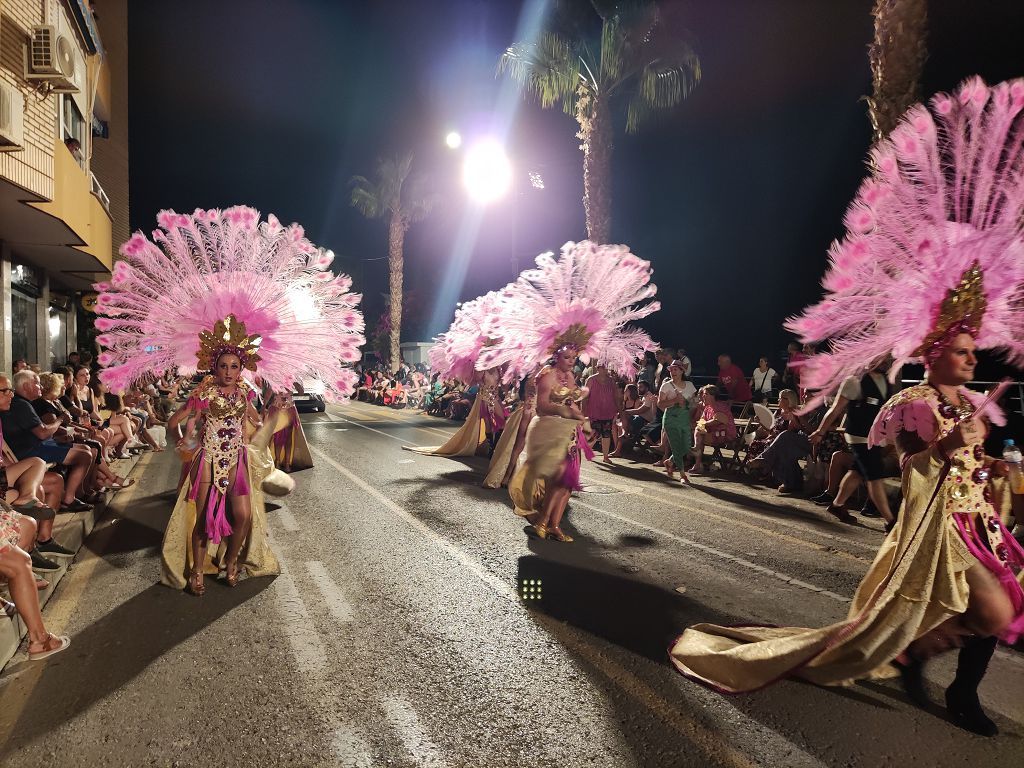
<point>70,529</point>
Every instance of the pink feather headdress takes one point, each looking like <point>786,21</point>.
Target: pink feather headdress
<point>934,241</point>
<point>199,270</point>
<point>456,351</point>
<point>584,298</point>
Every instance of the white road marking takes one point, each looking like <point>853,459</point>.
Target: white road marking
<point>403,718</point>
<point>335,600</point>
<point>309,651</point>
<point>285,518</point>
<point>337,419</point>
<point>718,553</point>
<point>500,588</point>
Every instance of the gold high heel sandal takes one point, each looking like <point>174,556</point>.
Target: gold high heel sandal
<point>559,535</point>
<point>195,583</point>
<point>231,574</point>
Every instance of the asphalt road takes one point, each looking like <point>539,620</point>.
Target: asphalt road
<point>396,635</point>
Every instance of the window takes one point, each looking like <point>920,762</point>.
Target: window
<point>72,127</point>
<point>24,325</point>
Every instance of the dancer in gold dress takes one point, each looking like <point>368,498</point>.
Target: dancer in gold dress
<point>931,270</point>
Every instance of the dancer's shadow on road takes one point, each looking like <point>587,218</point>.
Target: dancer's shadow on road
<point>109,653</point>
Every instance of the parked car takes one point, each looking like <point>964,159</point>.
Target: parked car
<point>309,398</point>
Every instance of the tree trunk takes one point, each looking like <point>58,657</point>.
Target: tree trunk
<point>897,57</point>
<point>595,122</point>
<point>396,263</point>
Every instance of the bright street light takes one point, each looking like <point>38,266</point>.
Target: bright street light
<point>486,172</point>
<point>453,140</point>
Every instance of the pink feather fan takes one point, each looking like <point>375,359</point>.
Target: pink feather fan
<point>199,268</point>
<point>946,192</point>
<point>455,352</point>
<point>596,289</point>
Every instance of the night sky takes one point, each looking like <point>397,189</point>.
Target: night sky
<point>734,196</point>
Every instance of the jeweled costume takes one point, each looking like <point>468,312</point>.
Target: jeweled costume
<point>934,249</point>
<point>582,300</point>
<point>219,282</point>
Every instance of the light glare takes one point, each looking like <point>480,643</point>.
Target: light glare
<point>453,140</point>
<point>487,172</point>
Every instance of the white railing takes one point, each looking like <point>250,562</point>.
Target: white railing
<point>97,190</point>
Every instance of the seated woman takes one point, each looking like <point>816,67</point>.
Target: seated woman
<point>51,410</point>
<point>787,443</point>
<point>17,535</point>
<point>79,402</point>
<point>715,424</point>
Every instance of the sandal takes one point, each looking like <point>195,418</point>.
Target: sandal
<point>63,641</point>
<point>559,535</point>
<point>537,530</point>
<point>120,483</point>
<point>231,574</point>
<point>195,583</point>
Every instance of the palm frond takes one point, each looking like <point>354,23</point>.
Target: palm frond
<point>365,197</point>
<point>418,199</point>
<point>548,68</point>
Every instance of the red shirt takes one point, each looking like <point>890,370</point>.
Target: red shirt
<point>732,380</point>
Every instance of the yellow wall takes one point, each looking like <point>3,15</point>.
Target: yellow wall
<point>74,204</point>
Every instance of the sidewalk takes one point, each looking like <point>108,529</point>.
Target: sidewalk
<point>70,530</point>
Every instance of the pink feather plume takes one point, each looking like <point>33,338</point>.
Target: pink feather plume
<point>198,268</point>
<point>946,191</point>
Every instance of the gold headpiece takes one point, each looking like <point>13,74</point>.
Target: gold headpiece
<point>576,335</point>
<point>228,336</point>
<point>960,312</point>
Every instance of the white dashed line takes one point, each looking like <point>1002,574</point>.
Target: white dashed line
<point>335,600</point>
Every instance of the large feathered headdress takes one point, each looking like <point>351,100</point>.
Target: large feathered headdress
<point>456,351</point>
<point>934,241</point>
<point>584,298</point>
<point>222,281</point>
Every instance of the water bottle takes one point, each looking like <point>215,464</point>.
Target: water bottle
<point>1012,456</point>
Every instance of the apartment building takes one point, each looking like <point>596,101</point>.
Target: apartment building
<point>63,169</point>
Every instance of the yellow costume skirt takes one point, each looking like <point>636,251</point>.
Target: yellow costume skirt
<point>548,439</point>
<point>468,441</point>
<point>256,556</point>
<point>916,582</point>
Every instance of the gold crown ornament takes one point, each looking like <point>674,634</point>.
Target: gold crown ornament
<point>576,335</point>
<point>228,336</point>
<point>960,312</point>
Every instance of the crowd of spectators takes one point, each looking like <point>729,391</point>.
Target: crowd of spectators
<point>794,451</point>
<point>61,431</point>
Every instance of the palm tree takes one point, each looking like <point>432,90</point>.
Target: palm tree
<point>897,57</point>
<point>639,59</point>
<point>402,199</point>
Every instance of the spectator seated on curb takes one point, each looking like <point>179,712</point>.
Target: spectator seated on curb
<point>27,436</point>
<point>20,485</point>
<point>787,444</point>
<point>637,418</point>
<point>715,424</point>
<point>17,534</point>
<point>50,409</point>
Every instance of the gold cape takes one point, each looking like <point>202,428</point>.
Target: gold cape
<point>547,447</point>
<point>466,442</point>
<point>503,450</point>
<point>916,582</point>
<point>296,448</point>
<point>256,556</point>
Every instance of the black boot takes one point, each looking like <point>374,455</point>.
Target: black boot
<point>912,678</point>
<point>962,696</point>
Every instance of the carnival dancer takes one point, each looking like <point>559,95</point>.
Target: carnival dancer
<point>454,356</point>
<point>221,292</point>
<point>291,451</point>
<point>513,438</point>
<point>932,268</point>
<point>577,303</point>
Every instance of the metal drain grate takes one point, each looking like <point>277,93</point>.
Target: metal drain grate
<point>600,489</point>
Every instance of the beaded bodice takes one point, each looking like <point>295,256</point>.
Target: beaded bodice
<point>966,489</point>
<point>224,429</point>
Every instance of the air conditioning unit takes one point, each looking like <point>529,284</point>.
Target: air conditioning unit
<point>12,118</point>
<point>52,55</point>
